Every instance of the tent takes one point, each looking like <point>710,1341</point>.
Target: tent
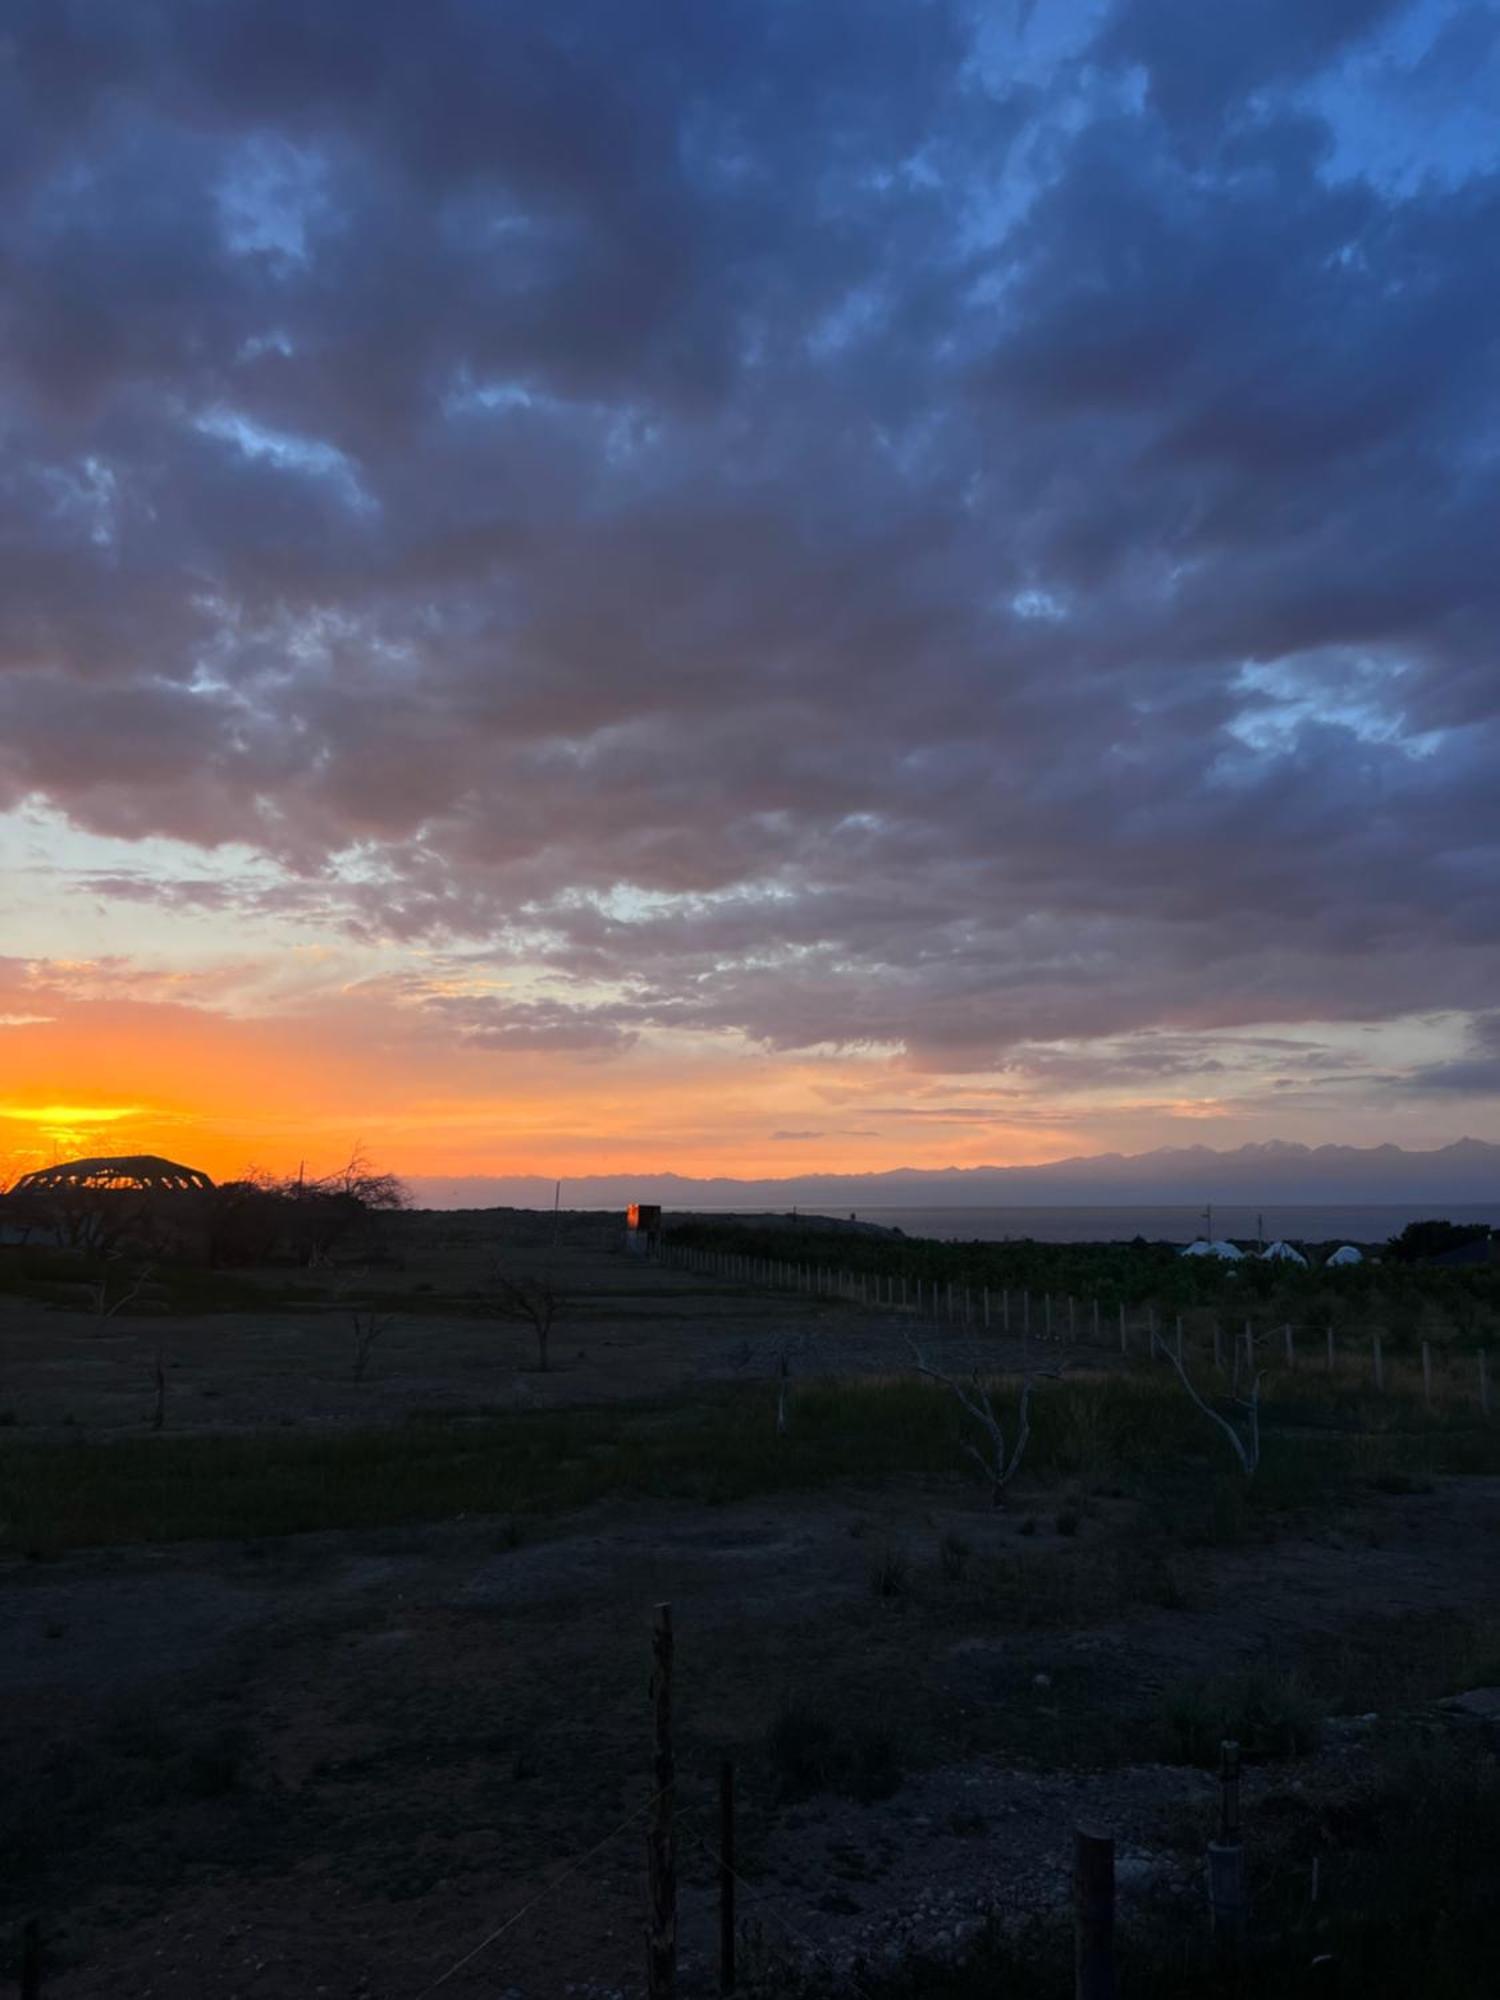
<point>1218,1249</point>
<point>1283,1253</point>
<point>1347,1255</point>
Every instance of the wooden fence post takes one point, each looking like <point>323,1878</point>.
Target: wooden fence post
<point>1427,1373</point>
<point>31,1960</point>
<point>1484,1383</point>
<point>1072,1317</point>
<point>1218,1348</point>
<point>1291,1345</point>
<point>1124,1337</point>
<point>1379,1362</point>
<point>1048,1310</point>
<point>1093,1915</point>
<point>661,1850</point>
<point>1179,1339</point>
<point>1330,1350</point>
<point>1226,1857</point>
<point>726,1877</point>
<point>1096,1322</point>
<point>986,1308</point>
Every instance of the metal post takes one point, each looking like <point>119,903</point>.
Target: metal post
<point>661,1848</point>
<point>1093,1915</point>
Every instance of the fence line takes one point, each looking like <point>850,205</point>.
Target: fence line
<point>541,1896</point>
<point>977,1310</point>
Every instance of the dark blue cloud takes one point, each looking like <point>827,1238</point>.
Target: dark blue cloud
<point>832,520</point>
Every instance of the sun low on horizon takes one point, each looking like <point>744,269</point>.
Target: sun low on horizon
<point>811,589</point>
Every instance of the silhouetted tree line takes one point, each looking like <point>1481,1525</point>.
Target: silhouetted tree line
<point>261,1218</point>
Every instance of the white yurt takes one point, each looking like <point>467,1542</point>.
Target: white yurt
<point>1227,1250</point>
<point>1283,1253</point>
<point>1347,1255</point>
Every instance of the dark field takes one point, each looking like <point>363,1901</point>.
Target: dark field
<point>312,1683</point>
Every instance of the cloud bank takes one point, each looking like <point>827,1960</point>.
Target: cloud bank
<point>872,525</point>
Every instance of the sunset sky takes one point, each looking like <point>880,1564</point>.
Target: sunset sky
<point>747,585</point>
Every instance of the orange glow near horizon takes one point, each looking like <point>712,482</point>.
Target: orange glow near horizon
<point>223,1093</point>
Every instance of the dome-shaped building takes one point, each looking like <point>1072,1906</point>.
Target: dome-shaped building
<point>136,1173</point>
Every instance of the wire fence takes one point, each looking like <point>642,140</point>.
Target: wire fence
<point>1048,1322</point>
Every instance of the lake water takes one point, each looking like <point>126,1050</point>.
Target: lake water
<point>1359,1222</point>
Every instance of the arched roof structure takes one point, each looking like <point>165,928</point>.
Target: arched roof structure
<point>137,1173</point>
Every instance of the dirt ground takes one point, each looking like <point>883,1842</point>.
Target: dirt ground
<point>337,1763</point>
<point>359,1764</point>
<point>628,1328</point>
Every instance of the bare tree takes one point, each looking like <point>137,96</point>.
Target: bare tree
<point>99,1299</point>
<point>780,1353</point>
<point>536,1301</point>
<point>158,1388</point>
<point>367,1327</point>
<point>367,1323</point>
<point>358,1180</point>
<point>1247,1448</point>
<point>996,1460</point>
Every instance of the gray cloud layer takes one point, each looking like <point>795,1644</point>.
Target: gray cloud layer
<point>979,547</point>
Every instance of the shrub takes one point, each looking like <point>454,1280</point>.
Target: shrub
<point>890,1574</point>
<point>812,1753</point>
<point>1268,1713</point>
<point>953,1557</point>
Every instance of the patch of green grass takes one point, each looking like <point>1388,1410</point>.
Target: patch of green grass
<point>1267,1712</point>
<point>717,1449</point>
<point>890,1574</point>
<point>1392,1663</point>
<point>810,1752</point>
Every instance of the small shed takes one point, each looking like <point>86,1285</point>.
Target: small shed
<point>642,1227</point>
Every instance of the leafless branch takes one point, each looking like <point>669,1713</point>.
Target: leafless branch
<point>996,1461</point>
<point>105,1307</point>
<point>534,1300</point>
<point>1246,1449</point>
